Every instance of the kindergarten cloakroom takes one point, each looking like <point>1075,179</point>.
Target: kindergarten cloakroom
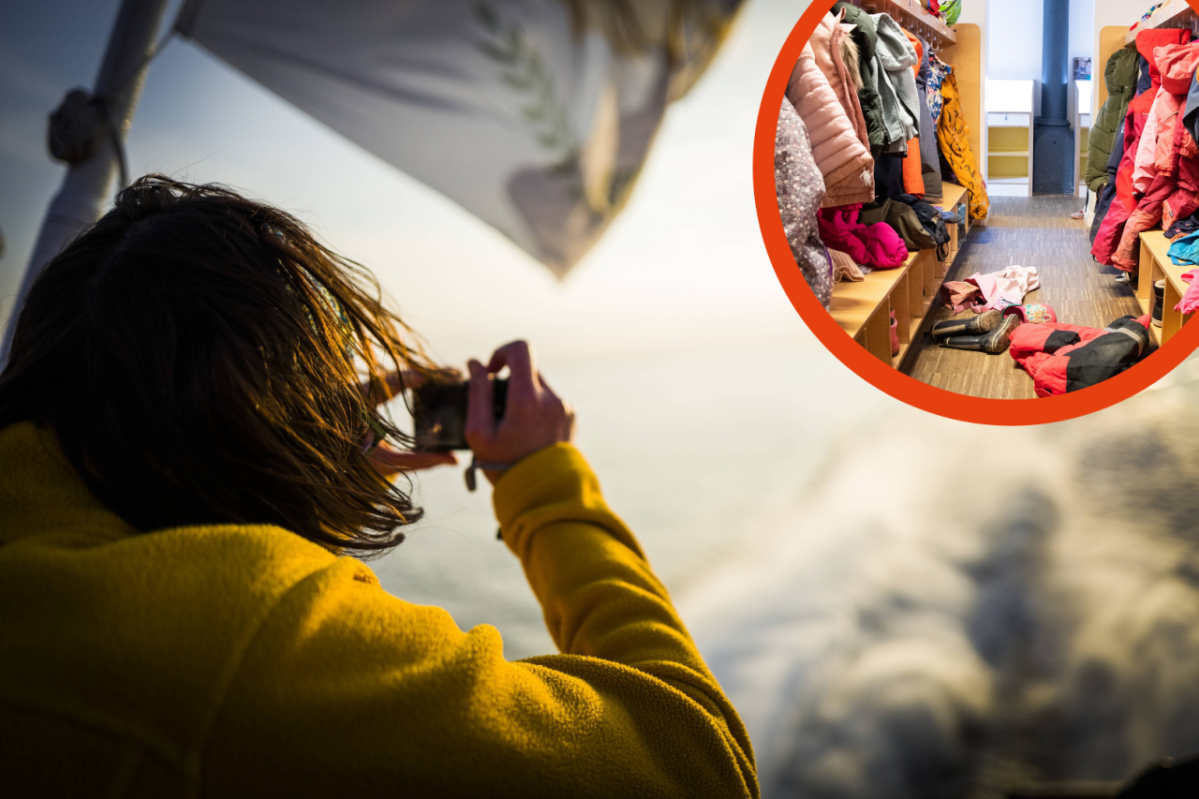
<point>999,199</point>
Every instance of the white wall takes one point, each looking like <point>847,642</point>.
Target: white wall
<point>1082,31</point>
<point>1113,12</point>
<point>1015,40</point>
<point>1118,12</point>
<point>1017,36</point>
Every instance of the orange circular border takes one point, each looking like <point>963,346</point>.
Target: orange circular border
<point>849,352</point>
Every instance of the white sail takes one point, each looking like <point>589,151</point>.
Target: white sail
<point>534,115</point>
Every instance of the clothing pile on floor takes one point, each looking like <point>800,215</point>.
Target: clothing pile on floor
<point>871,124</point>
<point>1146,135</point>
<point>993,291</point>
<point>1062,358</point>
<point>1059,358</point>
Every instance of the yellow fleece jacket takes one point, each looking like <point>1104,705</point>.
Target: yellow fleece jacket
<point>243,660</point>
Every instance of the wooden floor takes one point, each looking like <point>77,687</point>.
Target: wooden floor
<point>1023,231</point>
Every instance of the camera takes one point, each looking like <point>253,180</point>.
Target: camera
<point>439,413</point>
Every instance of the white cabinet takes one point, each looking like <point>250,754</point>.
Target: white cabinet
<point>1012,107</point>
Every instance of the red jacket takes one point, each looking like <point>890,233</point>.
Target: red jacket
<point>1063,358</point>
<point>1111,231</point>
<point>1175,169</point>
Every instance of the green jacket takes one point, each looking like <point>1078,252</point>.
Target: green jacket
<point>865,35</point>
<point>1121,77</point>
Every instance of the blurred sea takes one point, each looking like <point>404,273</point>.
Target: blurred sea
<point>698,452</point>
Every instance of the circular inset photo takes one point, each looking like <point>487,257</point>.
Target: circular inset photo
<point>984,243</point>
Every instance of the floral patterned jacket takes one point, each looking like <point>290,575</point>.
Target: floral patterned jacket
<point>800,188</point>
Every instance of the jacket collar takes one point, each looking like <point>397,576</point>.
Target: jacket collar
<point>40,493</point>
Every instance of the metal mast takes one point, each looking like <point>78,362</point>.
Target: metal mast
<point>87,184</point>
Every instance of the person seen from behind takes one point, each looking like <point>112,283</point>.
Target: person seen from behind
<point>193,461</point>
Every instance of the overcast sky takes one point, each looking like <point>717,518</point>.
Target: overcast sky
<point>683,268</point>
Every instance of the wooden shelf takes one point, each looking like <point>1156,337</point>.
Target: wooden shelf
<point>863,309</point>
<point>911,15</point>
<point>1147,310</point>
<point>1155,264</point>
<point>1174,14</point>
<point>854,304</point>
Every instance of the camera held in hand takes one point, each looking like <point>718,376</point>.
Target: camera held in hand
<point>439,413</point>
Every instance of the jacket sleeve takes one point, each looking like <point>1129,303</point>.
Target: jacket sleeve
<point>1144,166</point>
<point>347,690</point>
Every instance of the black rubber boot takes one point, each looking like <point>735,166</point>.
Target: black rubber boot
<point>995,342</point>
<point>974,326</point>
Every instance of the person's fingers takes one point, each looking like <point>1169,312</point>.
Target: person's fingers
<point>480,417</point>
<point>546,387</point>
<point>388,460</point>
<point>518,357</point>
<point>397,381</point>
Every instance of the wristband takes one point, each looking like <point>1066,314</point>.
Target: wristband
<point>471,483</point>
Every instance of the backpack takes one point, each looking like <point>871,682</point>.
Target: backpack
<point>904,221</point>
<point>933,221</point>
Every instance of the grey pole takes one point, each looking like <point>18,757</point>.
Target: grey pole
<point>87,184</point>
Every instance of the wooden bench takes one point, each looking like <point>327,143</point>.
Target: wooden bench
<point>863,310</point>
<point>954,196</point>
<point>1156,265</point>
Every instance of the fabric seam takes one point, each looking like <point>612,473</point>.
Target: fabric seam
<point>193,756</point>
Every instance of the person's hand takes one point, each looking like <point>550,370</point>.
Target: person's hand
<point>390,461</point>
<point>535,417</point>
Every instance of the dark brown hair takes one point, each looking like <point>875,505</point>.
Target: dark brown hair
<point>201,358</point>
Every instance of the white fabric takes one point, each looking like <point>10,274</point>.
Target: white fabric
<point>534,123</point>
<point>1007,287</point>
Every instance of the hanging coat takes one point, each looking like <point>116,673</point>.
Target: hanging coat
<point>828,46</point>
<point>1121,78</point>
<point>1111,231</point>
<point>1165,168</point>
<point>800,189</point>
<point>1191,112</point>
<point>897,83</point>
<point>954,137</point>
<point>865,35</point>
<point>1144,72</point>
<point>888,175</point>
<point>913,178</point>
<point>843,158</point>
<point>1108,192</point>
<point>930,160</point>
<point>938,70</point>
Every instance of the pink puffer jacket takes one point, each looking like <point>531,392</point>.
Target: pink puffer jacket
<point>827,42</point>
<point>833,116</point>
<point>1155,154</point>
<point>1178,64</point>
